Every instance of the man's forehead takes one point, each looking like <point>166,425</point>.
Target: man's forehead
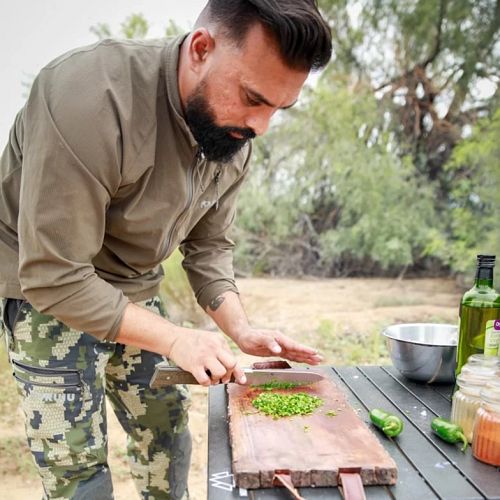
<point>262,71</point>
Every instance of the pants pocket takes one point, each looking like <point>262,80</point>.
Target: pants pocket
<point>52,377</point>
<point>52,399</point>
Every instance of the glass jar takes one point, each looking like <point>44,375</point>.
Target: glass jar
<point>486,441</point>
<point>478,370</point>
<point>479,363</point>
<point>466,402</point>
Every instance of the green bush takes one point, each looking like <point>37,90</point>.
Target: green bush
<point>475,214</point>
<point>328,195</point>
<point>178,295</point>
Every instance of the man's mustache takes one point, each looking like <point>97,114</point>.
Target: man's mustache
<point>246,133</point>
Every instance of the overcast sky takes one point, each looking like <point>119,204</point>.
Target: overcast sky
<point>36,31</point>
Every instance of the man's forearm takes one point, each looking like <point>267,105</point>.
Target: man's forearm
<point>226,310</point>
<point>146,330</point>
<point>203,353</point>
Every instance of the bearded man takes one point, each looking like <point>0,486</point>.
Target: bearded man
<point>125,151</point>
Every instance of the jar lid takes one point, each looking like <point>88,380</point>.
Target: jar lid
<point>479,365</point>
<point>482,360</point>
<point>484,371</point>
<point>478,378</point>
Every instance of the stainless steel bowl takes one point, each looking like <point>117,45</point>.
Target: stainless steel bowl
<point>424,352</point>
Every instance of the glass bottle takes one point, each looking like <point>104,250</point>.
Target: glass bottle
<point>486,440</point>
<point>478,370</point>
<point>479,315</point>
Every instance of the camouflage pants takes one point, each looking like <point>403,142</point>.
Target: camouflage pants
<point>62,376</point>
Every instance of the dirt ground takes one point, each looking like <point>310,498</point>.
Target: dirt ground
<point>308,310</point>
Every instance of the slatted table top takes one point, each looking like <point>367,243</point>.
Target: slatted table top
<point>428,468</point>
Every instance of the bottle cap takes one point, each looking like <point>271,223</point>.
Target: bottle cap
<point>486,260</point>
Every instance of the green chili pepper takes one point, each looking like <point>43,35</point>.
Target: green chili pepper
<point>286,405</point>
<point>391,425</point>
<point>449,432</point>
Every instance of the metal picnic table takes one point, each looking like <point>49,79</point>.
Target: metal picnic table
<point>428,468</point>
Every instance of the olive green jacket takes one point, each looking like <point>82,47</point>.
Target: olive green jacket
<point>101,180</point>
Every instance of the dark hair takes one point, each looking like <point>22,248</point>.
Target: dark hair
<point>303,36</point>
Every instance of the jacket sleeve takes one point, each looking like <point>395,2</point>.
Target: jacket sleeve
<point>208,250</point>
<point>65,192</point>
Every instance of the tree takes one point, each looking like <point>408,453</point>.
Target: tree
<point>427,60</point>
<point>373,189</point>
<point>475,164</point>
<point>135,26</point>
<point>327,195</point>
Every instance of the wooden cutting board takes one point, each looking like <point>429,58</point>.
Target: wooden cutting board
<point>312,449</point>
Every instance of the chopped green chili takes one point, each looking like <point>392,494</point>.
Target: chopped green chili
<point>269,386</point>
<point>449,432</point>
<point>391,425</point>
<point>286,405</point>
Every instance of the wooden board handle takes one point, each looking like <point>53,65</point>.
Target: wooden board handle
<point>352,486</point>
<point>286,481</point>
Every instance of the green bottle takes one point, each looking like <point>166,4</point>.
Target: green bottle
<point>479,315</point>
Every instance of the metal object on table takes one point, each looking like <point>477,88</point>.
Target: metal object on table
<point>424,352</point>
<point>169,375</point>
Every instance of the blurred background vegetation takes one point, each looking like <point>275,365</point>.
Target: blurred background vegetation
<point>390,164</point>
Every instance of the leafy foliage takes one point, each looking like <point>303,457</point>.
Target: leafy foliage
<point>178,295</point>
<point>330,197</point>
<point>426,59</point>
<point>475,217</point>
<point>364,183</point>
<point>135,26</point>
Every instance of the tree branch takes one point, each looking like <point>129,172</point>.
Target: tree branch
<point>450,78</point>
<point>437,45</point>
<point>483,48</point>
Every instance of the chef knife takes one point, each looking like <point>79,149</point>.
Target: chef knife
<point>168,375</point>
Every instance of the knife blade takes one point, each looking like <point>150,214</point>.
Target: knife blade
<point>165,375</point>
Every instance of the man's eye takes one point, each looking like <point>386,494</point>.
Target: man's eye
<point>252,102</point>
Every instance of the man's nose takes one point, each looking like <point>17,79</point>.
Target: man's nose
<point>259,120</point>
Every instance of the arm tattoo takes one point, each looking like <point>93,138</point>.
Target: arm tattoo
<point>214,305</point>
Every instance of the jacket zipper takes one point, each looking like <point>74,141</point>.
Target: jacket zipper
<point>192,168</point>
<point>216,180</point>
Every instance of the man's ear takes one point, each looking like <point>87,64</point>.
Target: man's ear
<point>201,45</point>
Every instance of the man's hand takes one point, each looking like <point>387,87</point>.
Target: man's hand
<point>274,343</point>
<point>226,310</point>
<point>207,356</point>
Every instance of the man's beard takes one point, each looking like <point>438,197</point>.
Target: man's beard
<point>215,142</point>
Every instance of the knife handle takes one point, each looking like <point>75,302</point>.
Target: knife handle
<point>170,375</point>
